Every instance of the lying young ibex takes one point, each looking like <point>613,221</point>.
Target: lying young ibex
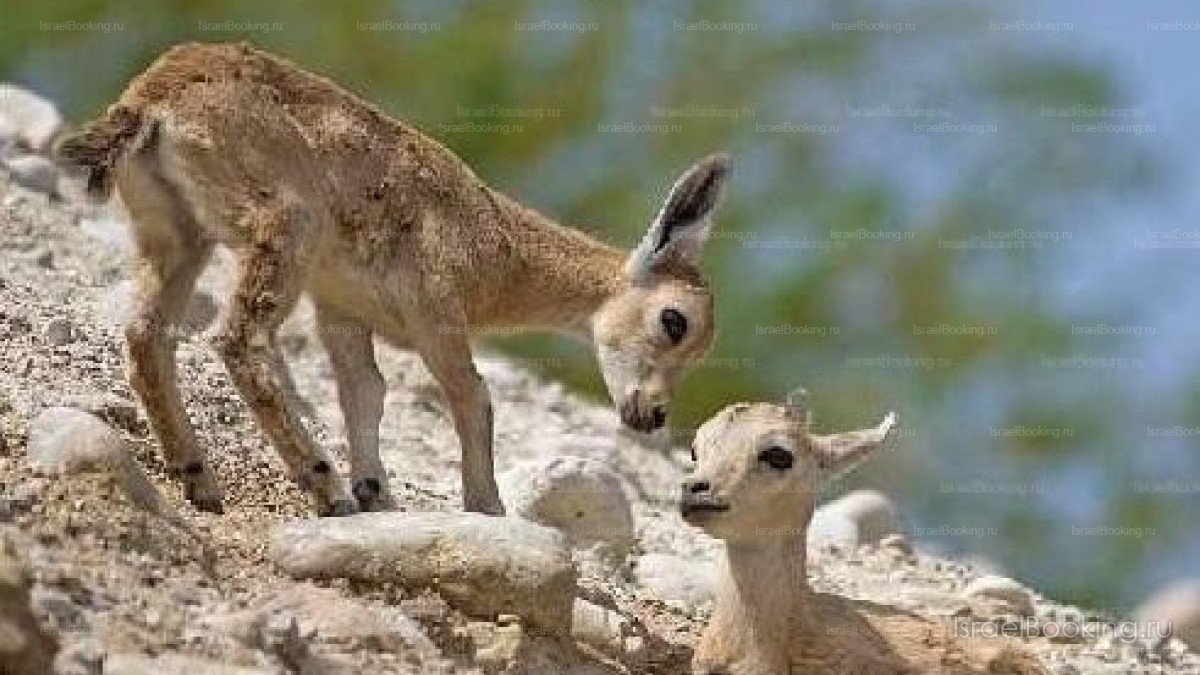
<point>391,234</point>
<point>758,471</point>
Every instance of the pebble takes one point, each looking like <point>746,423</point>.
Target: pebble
<point>58,331</point>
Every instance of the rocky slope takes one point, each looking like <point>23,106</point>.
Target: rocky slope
<point>97,577</point>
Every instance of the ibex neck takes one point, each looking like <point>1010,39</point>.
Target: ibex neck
<point>553,277</point>
<point>762,602</point>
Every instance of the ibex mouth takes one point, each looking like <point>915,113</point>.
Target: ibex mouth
<point>698,508</point>
<point>645,421</point>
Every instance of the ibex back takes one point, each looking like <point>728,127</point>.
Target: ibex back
<point>391,234</point>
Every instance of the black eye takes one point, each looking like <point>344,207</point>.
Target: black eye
<point>777,457</point>
<point>675,324</point>
<point>693,451</point>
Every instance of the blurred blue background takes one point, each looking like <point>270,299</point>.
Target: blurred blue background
<point>982,214</point>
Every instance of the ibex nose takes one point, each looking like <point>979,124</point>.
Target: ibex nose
<point>695,486</point>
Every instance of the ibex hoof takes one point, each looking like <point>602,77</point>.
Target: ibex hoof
<point>490,507</point>
<point>371,496</point>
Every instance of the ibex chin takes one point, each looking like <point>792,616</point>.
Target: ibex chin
<point>391,234</point>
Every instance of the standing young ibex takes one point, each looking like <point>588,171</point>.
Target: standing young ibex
<point>391,234</point>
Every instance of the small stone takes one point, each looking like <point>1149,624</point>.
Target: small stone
<point>57,331</point>
<point>860,517</point>
<point>1177,605</point>
<point>999,595</point>
<point>896,542</point>
<point>33,172</point>
<point>66,441</point>
<point>581,497</point>
<point>29,120</point>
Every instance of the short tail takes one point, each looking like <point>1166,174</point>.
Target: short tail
<point>97,146</point>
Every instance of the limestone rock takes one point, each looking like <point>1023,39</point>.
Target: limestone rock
<point>336,618</point>
<point>582,497</point>
<point>1179,604</point>
<point>67,441</point>
<point>867,514</point>
<point>33,172</point>
<point>29,120</point>
<point>483,565</point>
<point>24,648</point>
<point>678,581</point>
<point>999,595</point>
<point>131,664</point>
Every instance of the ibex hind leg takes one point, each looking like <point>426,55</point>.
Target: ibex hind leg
<point>171,251</point>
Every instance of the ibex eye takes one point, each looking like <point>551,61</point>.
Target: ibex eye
<point>776,457</point>
<point>693,449</point>
<point>675,324</point>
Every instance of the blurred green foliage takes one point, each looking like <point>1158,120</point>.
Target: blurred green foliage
<point>801,298</point>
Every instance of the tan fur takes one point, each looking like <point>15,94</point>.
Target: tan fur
<point>767,620</point>
<point>390,233</point>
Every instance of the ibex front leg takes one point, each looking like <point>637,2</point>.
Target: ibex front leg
<point>441,337</point>
<point>270,275</point>
<point>361,391</point>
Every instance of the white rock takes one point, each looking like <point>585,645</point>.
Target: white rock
<point>66,441</point>
<point>582,497</point>
<point>30,119</point>
<point>898,543</point>
<point>33,172</point>
<point>999,595</point>
<point>871,512</point>
<point>1178,603</point>
<point>677,581</point>
<point>831,527</point>
<point>333,617</point>
<point>484,565</point>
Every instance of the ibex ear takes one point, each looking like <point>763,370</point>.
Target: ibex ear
<point>838,453</point>
<point>682,225</point>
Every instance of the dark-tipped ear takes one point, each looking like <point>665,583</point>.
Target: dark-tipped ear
<point>838,453</point>
<point>683,223</point>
